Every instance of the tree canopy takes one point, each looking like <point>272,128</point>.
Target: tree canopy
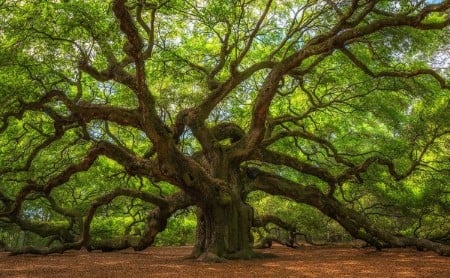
<point>246,113</point>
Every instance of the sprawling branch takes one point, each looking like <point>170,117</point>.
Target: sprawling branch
<point>401,74</point>
<point>303,167</point>
<point>324,44</point>
<point>61,178</point>
<point>327,145</point>
<point>128,28</point>
<point>251,37</point>
<point>81,111</point>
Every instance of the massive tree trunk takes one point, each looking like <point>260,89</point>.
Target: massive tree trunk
<point>223,231</point>
<point>223,220</point>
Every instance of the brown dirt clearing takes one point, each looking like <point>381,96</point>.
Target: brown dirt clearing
<point>169,262</point>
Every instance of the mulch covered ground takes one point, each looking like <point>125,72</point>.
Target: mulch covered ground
<point>169,262</point>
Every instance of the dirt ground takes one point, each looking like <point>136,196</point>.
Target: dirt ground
<point>169,262</point>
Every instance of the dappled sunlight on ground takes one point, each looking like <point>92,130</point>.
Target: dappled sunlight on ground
<point>169,262</point>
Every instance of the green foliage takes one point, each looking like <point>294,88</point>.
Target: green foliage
<point>109,227</point>
<point>180,230</point>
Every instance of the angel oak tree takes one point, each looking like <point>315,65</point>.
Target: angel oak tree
<point>306,99</point>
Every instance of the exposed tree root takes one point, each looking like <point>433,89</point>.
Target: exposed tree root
<point>210,257</point>
<point>240,255</point>
<point>249,254</point>
<point>44,250</point>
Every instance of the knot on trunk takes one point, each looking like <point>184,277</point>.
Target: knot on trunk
<point>230,131</point>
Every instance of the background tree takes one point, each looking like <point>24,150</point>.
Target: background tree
<point>139,109</point>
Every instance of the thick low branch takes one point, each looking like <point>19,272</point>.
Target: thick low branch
<point>354,222</point>
<point>157,218</point>
<point>108,198</point>
<point>44,229</point>
<point>264,220</point>
<point>157,221</point>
